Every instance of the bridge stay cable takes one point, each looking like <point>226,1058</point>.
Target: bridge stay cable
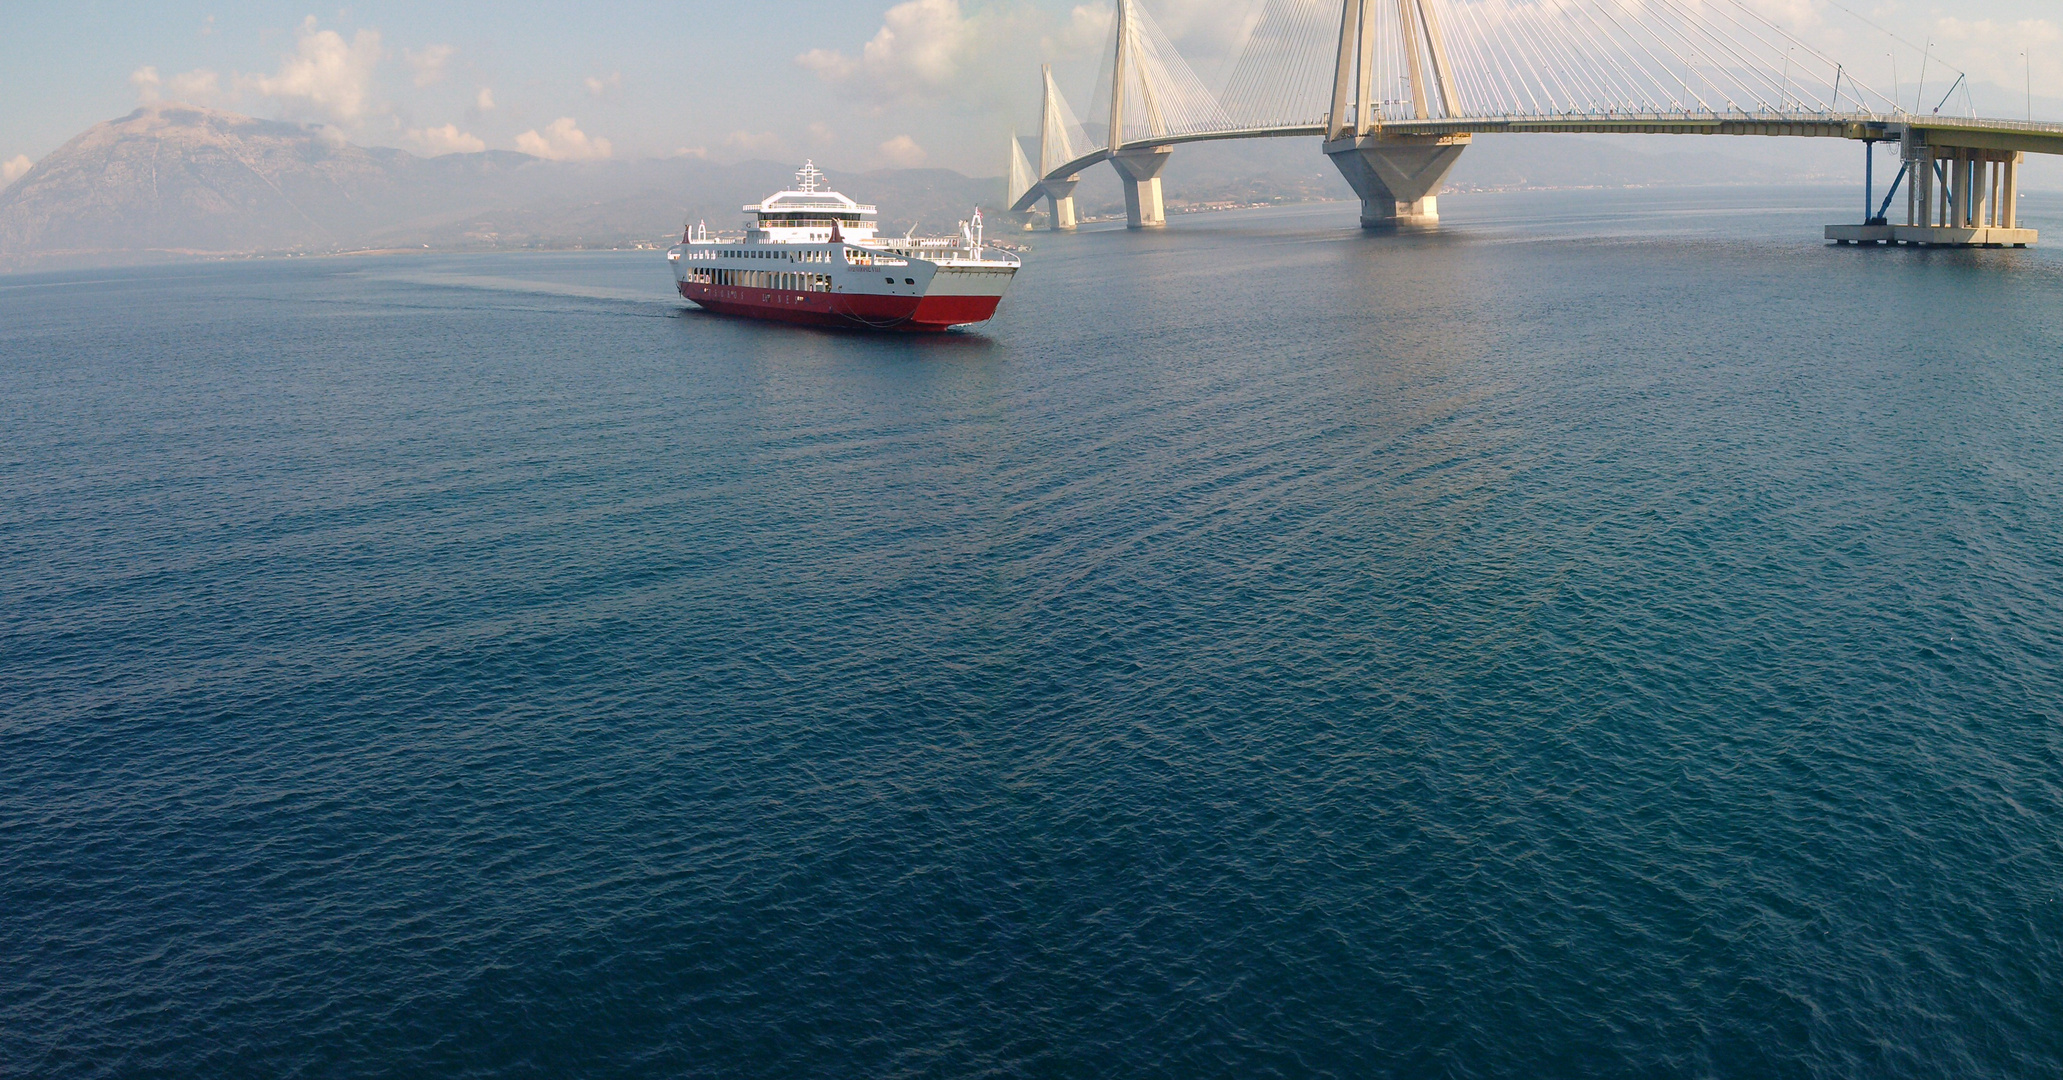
<point>1397,88</point>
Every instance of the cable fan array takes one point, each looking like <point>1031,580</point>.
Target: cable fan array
<point>1402,60</point>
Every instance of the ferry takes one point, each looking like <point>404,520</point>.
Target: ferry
<point>814,256</point>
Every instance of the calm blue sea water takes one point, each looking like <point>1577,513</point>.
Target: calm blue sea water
<point>1618,636</point>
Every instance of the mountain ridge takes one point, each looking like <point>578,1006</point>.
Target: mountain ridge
<point>172,180</point>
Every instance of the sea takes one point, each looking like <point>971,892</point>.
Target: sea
<point>1617,635</point>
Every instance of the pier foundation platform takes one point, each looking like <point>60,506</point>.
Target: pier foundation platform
<point>1955,196</point>
<point>1139,171</point>
<point>1398,178</point>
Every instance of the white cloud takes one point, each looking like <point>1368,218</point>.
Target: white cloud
<point>902,152</point>
<point>562,141</point>
<point>919,49</point>
<point>445,140</point>
<point>199,86</point>
<point>429,63</point>
<point>1202,28</point>
<point>14,168</point>
<point>2005,54</point>
<point>750,144</point>
<point>973,58</point>
<point>325,77</point>
<point>598,86</point>
<point>1087,25</point>
<point>484,101</point>
<point>699,153</point>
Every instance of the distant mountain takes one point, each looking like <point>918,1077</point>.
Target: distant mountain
<point>174,180</point>
<point>171,181</point>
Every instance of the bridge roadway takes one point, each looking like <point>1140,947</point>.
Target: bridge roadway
<point>1998,144</point>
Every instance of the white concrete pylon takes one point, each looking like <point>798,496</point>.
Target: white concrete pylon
<point>1118,76</point>
<point>1406,10</point>
<point>1056,148</point>
<point>1337,123</point>
<point>1364,98</point>
<point>1436,50</point>
<point>1020,179</point>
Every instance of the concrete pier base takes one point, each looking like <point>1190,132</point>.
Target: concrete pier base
<point>1139,170</point>
<point>1060,203</point>
<point>1955,196</point>
<point>1931,235</point>
<point>1398,178</point>
<point>1859,234</point>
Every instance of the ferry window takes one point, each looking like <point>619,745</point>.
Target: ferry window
<point>909,281</point>
<point>890,280</point>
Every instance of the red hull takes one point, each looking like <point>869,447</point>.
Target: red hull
<point>843,309</point>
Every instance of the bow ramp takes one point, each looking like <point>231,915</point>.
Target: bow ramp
<point>1397,89</point>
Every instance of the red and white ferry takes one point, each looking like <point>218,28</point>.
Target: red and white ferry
<point>812,256</point>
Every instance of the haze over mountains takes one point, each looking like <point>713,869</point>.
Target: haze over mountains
<point>180,181</point>
<point>172,180</point>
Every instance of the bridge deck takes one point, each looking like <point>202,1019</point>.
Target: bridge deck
<point>2035,137</point>
<point>1936,130</point>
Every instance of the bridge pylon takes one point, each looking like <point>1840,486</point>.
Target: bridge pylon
<point>1138,167</point>
<point>1397,176</point>
<point>1962,189</point>
<point>1056,148</point>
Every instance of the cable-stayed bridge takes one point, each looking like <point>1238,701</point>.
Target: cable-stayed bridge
<point>1397,90</point>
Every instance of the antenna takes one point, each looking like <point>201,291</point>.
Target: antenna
<point>806,178</point>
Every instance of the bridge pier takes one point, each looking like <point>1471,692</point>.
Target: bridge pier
<point>1956,196</point>
<point>1140,171</point>
<point>1060,203</point>
<point>1398,177</point>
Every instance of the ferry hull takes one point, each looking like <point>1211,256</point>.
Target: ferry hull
<point>875,312</point>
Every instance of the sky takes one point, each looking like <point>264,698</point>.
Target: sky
<point>853,84</point>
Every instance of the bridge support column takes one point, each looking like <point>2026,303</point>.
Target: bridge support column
<point>1970,202</point>
<point>1398,178</point>
<point>1060,203</point>
<point>1140,172</point>
<point>2009,206</point>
